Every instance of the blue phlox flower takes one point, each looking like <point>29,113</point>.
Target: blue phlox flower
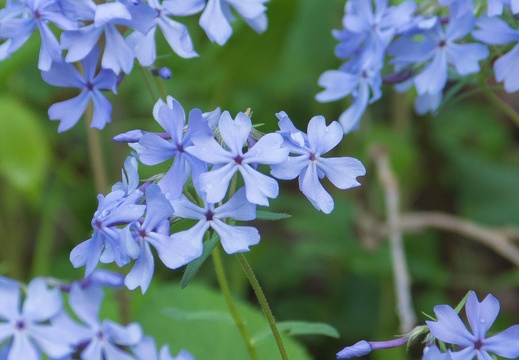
<point>217,15</point>
<point>481,315</point>
<point>458,8</point>
<point>147,350</point>
<point>176,34</point>
<point>100,340</point>
<point>233,238</point>
<point>66,75</point>
<point>130,177</point>
<point>36,14</point>
<point>495,7</point>
<point>433,353</point>
<point>357,82</point>
<point>376,27</point>
<point>309,165</point>
<point>117,55</point>
<point>227,162</point>
<point>154,149</point>
<point>154,231</point>
<point>437,51</point>
<point>30,327</point>
<point>495,31</point>
<point>115,209</point>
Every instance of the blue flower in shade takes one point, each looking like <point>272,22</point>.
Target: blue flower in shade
<point>310,166</point>
<point>99,340</point>
<point>233,238</point>
<point>217,15</point>
<point>155,148</point>
<point>481,315</point>
<point>147,350</point>
<point>115,209</point>
<point>433,353</point>
<point>235,134</point>
<point>154,231</point>
<point>117,53</point>
<point>66,75</point>
<point>495,31</point>
<point>459,7</point>
<point>437,51</point>
<point>357,82</point>
<point>495,7</point>
<point>18,30</point>
<point>176,34</point>
<point>368,29</point>
<point>31,327</point>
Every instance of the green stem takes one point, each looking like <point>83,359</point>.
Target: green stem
<point>162,90</point>
<point>148,85</point>
<point>95,152</point>
<point>224,285</point>
<point>503,106</point>
<point>264,304</point>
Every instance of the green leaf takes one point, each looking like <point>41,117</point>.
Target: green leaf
<point>194,266</point>
<point>24,149</point>
<point>300,328</point>
<point>268,215</point>
<point>187,316</point>
<point>195,321</point>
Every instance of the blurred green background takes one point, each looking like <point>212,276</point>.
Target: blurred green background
<point>313,267</point>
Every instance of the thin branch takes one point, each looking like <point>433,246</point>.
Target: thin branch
<point>497,240</point>
<point>400,271</point>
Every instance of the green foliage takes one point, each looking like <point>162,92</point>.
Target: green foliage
<point>24,147</point>
<point>181,318</point>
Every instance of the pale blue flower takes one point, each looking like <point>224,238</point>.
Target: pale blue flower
<point>100,340</point>
<point>495,31</point>
<point>233,238</point>
<point>117,55</point>
<point>154,148</point>
<point>147,350</point>
<point>437,51</point>
<point>154,231</point>
<point>70,111</point>
<point>30,327</point>
<point>309,165</point>
<point>433,353</point>
<point>17,30</point>
<point>232,159</point>
<point>115,209</point>
<point>176,34</point>
<point>481,315</point>
<point>217,15</point>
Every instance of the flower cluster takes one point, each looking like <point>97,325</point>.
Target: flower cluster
<point>426,51</point>
<point>211,154</point>
<point>36,322</point>
<point>127,29</point>
<point>450,330</point>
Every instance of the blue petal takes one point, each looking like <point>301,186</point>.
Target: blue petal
<point>482,315</point>
<point>259,187</point>
<point>342,172</point>
<point>158,208</point>
<point>177,36</point>
<point>505,344</point>
<point>322,138</point>
<point>215,182</point>
<point>311,187</point>
<point>69,111</point>
<point>80,43</point>
<point>506,69</point>
<point>267,150</point>
<point>449,327</point>
<point>117,55</point>
<point>235,132</point>
<point>237,208</point>
<point>337,84</point>
<point>214,22</point>
<point>102,110</point>
<point>235,238</point>
<point>142,271</point>
<point>291,168</point>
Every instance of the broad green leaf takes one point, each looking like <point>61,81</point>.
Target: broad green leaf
<point>193,267</point>
<point>301,328</point>
<point>193,319</point>
<point>268,215</point>
<point>24,149</point>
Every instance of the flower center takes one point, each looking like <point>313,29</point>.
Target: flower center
<point>238,159</point>
<point>20,325</point>
<point>209,215</point>
<point>478,345</point>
